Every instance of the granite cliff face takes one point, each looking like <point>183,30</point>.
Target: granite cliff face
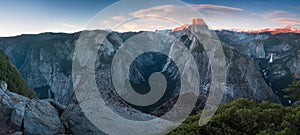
<point>44,61</point>
<point>243,77</point>
<point>277,55</point>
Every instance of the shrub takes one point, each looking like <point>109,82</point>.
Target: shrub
<point>246,117</point>
<point>293,91</point>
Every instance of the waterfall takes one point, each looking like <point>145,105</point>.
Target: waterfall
<point>271,59</point>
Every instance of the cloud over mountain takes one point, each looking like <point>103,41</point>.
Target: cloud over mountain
<point>216,7</point>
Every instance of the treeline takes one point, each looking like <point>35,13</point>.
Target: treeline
<point>12,77</point>
<point>246,117</point>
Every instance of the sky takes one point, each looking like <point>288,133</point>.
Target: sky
<point>37,16</point>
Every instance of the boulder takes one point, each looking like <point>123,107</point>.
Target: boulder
<point>42,118</point>
<point>74,119</point>
<point>16,98</point>
<point>59,107</point>
<point>3,85</point>
<point>17,133</point>
<point>6,106</point>
<point>17,116</point>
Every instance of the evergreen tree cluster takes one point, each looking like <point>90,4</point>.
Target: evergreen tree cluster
<point>293,91</point>
<point>12,77</point>
<point>246,117</point>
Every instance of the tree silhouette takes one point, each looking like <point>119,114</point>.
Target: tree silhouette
<point>293,91</point>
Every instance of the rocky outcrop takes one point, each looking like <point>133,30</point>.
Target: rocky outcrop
<point>29,116</point>
<point>3,85</point>
<point>6,106</point>
<point>41,117</point>
<point>74,119</point>
<point>17,116</point>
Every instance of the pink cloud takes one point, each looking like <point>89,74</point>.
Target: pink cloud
<point>216,7</point>
<point>162,10</point>
<point>278,14</point>
<point>287,21</point>
<point>118,18</point>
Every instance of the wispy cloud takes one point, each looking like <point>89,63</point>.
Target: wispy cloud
<point>278,14</point>
<point>152,18</point>
<point>287,21</point>
<point>297,7</point>
<point>215,14</point>
<point>180,11</point>
<point>141,25</point>
<point>67,25</point>
<point>163,10</point>
<point>114,21</point>
<point>118,18</point>
<point>282,17</point>
<point>216,8</point>
<point>212,12</point>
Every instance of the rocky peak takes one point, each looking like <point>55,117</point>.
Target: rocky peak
<point>198,21</point>
<point>195,22</point>
<point>185,26</point>
<point>198,26</point>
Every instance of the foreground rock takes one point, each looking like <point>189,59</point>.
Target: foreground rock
<point>17,116</point>
<point>29,116</point>
<point>73,118</point>
<point>6,106</point>
<point>42,118</point>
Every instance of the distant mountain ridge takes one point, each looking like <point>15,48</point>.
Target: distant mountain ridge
<point>273,31</point>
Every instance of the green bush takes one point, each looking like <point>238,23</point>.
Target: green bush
<point>246,117</point>
<point>293,91</point>
<point>12,77</point>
